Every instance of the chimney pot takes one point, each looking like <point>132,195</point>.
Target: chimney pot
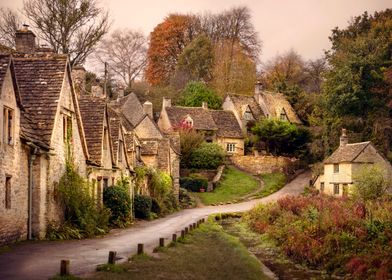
<point>147,108</point>
<point>166,102</point>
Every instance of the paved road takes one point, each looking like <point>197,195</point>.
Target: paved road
<point>41,260</point>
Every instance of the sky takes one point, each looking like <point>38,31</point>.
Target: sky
<point>303,25</point>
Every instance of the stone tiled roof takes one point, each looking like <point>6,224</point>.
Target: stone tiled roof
<point>131,108</point>
<point>114,127</point>
<point>6,50</point>
<point>347,153</point>
<point>92,110</point>
<point>227,124</point>
<point>202,118</point>
<point>40,82</point>
<point>274,103</point>
<point>240,101</point>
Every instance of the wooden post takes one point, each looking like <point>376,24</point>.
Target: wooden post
<point>310,183</point>
<point>174,237</point>
<point>190,227</point>
<point>161,242</point>
<point>182,233</point>
<point>194,225</point>
<point>186,230</point>
<point>140,249</point>
<point>112,257</point>
<point>64,267</point>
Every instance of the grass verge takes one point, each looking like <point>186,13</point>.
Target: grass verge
<point>207,253</point>
<point>272,183</point>
<point>233,186</point>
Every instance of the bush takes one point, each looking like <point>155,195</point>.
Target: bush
<point>370,183</point>
<point>186,201</point>
<point>193,184</point>
<point>155,207</point>
<point>207,156</point>
<point>143,206</point>
<point>118,200</point>
<point>190,140</point>
<point>80,209</point>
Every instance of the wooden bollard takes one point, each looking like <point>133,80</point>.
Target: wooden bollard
<point>174,237</point>
<point>182,233</point>
<point>161,242</point>
<point>140,248</point>
<point>64,267</point>
<point>112,257</point>
<point>186,230</point>
<point>194,225</point>
<point>190,227</point>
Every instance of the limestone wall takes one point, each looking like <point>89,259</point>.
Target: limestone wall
<point>265,164</point>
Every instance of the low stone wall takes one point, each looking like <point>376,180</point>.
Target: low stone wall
<point>208,174</point>
<point>265,164</point>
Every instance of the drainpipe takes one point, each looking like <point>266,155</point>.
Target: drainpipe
<point>32,157</point>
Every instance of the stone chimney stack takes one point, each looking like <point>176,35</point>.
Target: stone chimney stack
<point>166,102</point>
<point>343,138</point>
<point>25,40</point>
<point>120,93</point>
<point>79,79</point>
<point>204,105</point>
<point>147,108</point>
<point>97,91</point>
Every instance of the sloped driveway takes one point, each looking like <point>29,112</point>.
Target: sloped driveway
<point>41,260</point>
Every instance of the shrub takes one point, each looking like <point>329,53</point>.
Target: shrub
<point>193,184</point>
<point>190,140</point>
<point>80,209</point>
<point>186,201</point>
<point>118,200</point>
<point>207,156</point>
<point>370,183</point>
<point>143,206</point>
<point>155,207</point>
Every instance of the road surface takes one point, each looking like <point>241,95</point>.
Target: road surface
<point>41,259</point>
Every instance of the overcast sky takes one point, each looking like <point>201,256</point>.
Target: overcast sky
<point>303,25</point>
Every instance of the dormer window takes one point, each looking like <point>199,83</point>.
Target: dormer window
<point>248,115</point>
<point>8,125</point>
<point>188,122</point>
<point>283,115</point>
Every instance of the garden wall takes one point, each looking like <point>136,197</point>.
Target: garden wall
<point>265,164</point>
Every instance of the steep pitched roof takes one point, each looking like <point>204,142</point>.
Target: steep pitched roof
<point>202,118</point>
<point>274,103</point>
<point>131,108</point>
<point>114,127</point>
<point>347,153</point>
<point>93,110</point>
<point>4,63</point>
<point>240,101</point>
<point>40,80</point>
<point>227,124</point>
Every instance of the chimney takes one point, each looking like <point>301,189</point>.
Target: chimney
<point>79,78</point>
<point>97,91</point>
<point>120,93</point>
<point>25,40</point>
<point>258,87</point>
<point>204,105</point>
<point>343,138</point>
<point>166,102</point>
<point>147,108</point>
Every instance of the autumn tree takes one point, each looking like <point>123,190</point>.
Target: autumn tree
<point>68,26</point>
<point>125,51</point>
<point>167,41</point>
<point>10,22</point>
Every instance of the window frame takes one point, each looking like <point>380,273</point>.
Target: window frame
<point>336,189</point>
<point>336,168</point>
<point>8,125</point>
<point>231,147</point>
<point>7,192</point>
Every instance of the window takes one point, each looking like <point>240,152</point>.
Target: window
<point>336,168</point>
<point>230,147</point>
<point>283,116</point>
<point>138,153</point>
<point>8,192</point>
<point>335,188</point>
<point>120,150</point>
<point>67,128</point>
<point>8,125</point>
<point>248,115</point>
<point>105,183</point>
<point>322,187</point>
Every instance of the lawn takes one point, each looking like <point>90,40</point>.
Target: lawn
<point>272,183</point>
<point>234,185</point>
<point>206,253</point>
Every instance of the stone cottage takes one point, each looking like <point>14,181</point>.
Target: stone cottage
<point>342,166</point>
<point>248,109</point>
<point>157,149</point>
<point>218,126</point>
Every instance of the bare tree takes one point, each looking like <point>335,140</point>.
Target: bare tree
<point>314,71</point>
<point>68,26</point>
<point>9,24</point>
<point>126,53</point>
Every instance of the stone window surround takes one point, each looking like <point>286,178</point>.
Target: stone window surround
<point>230,147</point>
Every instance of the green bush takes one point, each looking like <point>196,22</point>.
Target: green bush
<point>80,209</point>
<point>370,182</point>
<point>207,156</point>
<point>143,206</point>
<point>193,184</point>
<point>155,207</point>
<point>118,200</point>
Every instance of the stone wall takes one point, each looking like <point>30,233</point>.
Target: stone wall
<point>265,164</point>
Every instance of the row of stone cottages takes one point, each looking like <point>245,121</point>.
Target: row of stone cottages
<point>46,114</point>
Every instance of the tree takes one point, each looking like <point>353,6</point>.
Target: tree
<point>190,140</point>
<point>69,26</point>
<point>9,23</point>
<point>195,93</point>
<point>167,41</point>
<point>370,182</point>
<point>234,71</point>
<point>282,137</point>
<point>195,62</point>
<point>125,52</point>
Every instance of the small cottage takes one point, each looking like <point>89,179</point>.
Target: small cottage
<point>342,166</point>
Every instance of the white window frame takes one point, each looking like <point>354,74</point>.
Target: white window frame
<point>230,147</point>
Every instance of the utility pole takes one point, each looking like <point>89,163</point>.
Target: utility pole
<point>105,80</point>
